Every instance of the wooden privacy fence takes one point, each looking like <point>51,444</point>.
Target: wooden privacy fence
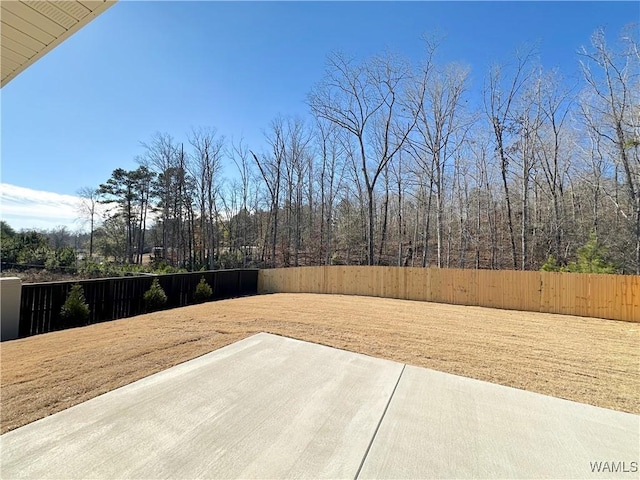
<point>114,298</point>
<point>615,297</point>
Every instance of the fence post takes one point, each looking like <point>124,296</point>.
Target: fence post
<point>10,292</point>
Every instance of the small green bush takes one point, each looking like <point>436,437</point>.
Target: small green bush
<point>75,309</point>
<point>591,258</point>
<point>551,265</point>
<point>203,291</point>
<point>155,298</point>
<point>336,259</point>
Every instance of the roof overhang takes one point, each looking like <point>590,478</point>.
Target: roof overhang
<point>31,29</point>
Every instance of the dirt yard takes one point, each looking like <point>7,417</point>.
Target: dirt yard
<point>586,360</point>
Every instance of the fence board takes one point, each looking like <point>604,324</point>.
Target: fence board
<point>520,290</point>
<point>549,295</point>
<point>490,295</point>
<point>465,287</point>
<point>615,297</point>
<point>629,306</point>
<point>416,284</point>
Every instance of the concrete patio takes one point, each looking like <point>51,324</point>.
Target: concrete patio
<point>274,407</point>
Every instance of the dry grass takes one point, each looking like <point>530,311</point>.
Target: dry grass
<point>586,360</point>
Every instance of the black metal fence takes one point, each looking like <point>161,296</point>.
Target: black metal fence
<point>114,298</point>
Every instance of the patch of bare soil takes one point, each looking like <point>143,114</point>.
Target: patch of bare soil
<point>586,360</point>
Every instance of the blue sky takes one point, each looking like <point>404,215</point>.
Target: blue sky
<point>141,67</point>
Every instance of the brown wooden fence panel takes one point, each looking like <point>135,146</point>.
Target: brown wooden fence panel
<point>377,281</point>
<point>353,284</point>
<point>437,292</point>
<point>576,297</point>
<point>464,284</point>
<point>313,278</point>
<point>629,306</point>
<point>453,286</point>
<point>615,297</point>
<point>567,293</point>
<point>604,296</point>
<point>550,300</point>
<point>569,286</point>
<point>490,295</point>
<point>418,283</point>
<point>337,280</point>
<point>632,296</point>
<point>520,290</point>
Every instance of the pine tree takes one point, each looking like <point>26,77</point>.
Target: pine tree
<point>203,291</point>
<point>155,298</point>
<point>592,258</point>
<point>75,309</point>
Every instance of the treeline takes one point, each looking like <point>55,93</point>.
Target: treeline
<point>58,253</point>
<point>55,250</point>
<point>395,166</point>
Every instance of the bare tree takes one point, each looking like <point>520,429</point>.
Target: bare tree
<point>612,78</point>
<point>441,129</point>
<point>552,151</point>
<point>271,168</point>
<point>296,144</point>
<point>162,157</point>
<point>485,239</point>
<point>499,109</point>
<point>239,154</point>
<point>204,166</point>
<point>593,152</point>
<point>526,124</point>
<point>89,210</point>
<point>366,100</point>
<point>331,175</point>
<point>399,173</point>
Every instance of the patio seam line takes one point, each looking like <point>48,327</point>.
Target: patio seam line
<point>375,432</point>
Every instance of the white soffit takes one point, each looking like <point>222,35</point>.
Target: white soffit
<point>30,29</point>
